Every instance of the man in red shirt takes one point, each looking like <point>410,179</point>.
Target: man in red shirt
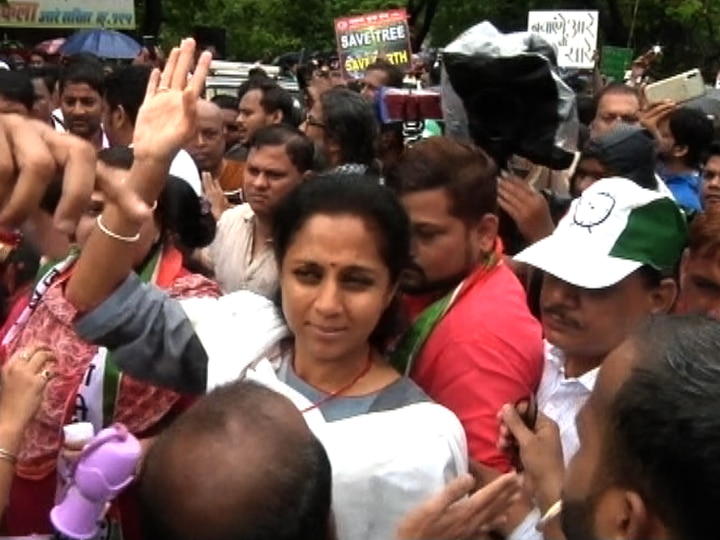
<point>473,345</point>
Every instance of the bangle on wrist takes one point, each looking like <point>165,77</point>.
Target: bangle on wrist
<point>8,456</point>
<point>127,239</point>
<point>552,513</point>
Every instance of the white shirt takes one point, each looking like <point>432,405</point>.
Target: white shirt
<point>560,398</point>
<point>236,265</point>
<point>184,167</point>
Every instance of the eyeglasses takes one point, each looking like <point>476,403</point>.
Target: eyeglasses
<point>310,121</point>
<point>610,118</point>
<point>709,174</point>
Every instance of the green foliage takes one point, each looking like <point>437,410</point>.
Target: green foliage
<point>265,28</point>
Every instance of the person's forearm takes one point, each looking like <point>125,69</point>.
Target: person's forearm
<point>105,262</point>
<point>547,494</point>
<point>10,441</point>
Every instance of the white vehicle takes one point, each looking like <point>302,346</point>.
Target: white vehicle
<point>226,77</point>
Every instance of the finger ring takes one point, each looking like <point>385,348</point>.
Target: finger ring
<point>25,355</point>
<point>46,374</point>
<point>163,88</point>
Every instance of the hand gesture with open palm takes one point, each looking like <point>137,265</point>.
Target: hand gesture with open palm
<point>167,117</point>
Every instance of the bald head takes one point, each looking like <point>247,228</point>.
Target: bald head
<point>241,464</point>
<point>207,110</point>
<point>207,148</point>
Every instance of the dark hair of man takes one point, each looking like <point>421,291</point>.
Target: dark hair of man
<point>395,77</point>
<point>694,130</point>
<point>84,72</point>
<point>257,72</point>
<point>463,170</point>
<point>274,98</point>
<point>704,234</point>
<point>354,195</point>
<point>84,58</point>
<point>226,102</point>
<point>16,86</point>
<point>284,493</point>
<point>712,151</point>
<point>615,88</point>
<point>586,106</point>
<point>126,87</point>
<point>245,87</point>
<point>350,122</point>
<point>298,146</point>
<point>664,431</point>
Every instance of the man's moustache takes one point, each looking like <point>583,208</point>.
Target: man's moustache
<point>560,313</point>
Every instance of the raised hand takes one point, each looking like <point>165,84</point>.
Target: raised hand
<point>527,208</point>
<point>166,119</point>
<point>652,114</point>
<point>215,195</point>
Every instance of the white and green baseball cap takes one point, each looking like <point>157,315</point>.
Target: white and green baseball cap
<point>613,229</point>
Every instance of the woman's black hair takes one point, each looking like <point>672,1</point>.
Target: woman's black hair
<point>187,221</point>
<point>357,195</point>
<point>183,215</point>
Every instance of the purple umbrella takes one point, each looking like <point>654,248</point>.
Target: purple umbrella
<point>50,46</point>
<point>101,43</point>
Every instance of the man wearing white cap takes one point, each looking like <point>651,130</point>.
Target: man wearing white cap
<point>609,264</point>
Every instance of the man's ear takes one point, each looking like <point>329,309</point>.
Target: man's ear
<point>663,298</point>
<point>485,233</point>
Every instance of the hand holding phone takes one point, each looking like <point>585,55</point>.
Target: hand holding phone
<point>678,89</point>
<point>526,410</point>
<point>538,450</point>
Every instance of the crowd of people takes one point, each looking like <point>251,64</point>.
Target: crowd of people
<point>318,331</point>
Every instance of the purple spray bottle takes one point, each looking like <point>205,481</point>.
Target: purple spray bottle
<point>106,466</point>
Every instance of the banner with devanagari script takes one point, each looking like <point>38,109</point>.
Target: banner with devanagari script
<point>115,14</point>
<point>362,39</point>
<point>573,33</point>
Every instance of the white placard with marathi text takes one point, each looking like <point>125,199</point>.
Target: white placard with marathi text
<point>574,33</point>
